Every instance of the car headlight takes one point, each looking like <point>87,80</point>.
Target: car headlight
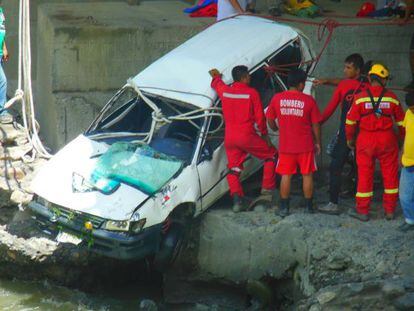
<point>113,225</point>
<point>125,226</point>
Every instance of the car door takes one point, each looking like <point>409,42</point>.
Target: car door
<point>212,165</point>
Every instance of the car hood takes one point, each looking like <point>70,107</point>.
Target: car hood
<point>55,183</point>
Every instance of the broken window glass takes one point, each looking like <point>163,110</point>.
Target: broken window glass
<point>137,165</point>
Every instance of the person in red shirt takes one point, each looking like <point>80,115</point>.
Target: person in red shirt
<point>343,96</point>
<point>374,112</point>
<point>242,112</point>
<point>297,117</point>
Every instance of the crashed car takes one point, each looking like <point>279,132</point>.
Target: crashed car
<point>153,159</point>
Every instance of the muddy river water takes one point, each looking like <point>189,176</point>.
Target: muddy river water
<point>27,296</point>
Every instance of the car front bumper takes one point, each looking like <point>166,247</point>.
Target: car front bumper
<point>112,244</point>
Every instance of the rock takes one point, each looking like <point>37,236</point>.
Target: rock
<point>21,141</point>
<point>409,284</point>
<point>315,307</point>
<point>9,134</point>
<point>382,267</point>
<point>147,305</point>
<point>405,302</point>
<point>338,262</point>
<point>326,297</point>
<point>13,173</point>
<point>393,289</point>
<point>21,197</point>
<point>14,153</point>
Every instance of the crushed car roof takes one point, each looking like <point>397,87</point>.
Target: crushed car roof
<point>182,74</point>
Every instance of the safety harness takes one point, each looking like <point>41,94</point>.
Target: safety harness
<point>376,105</point>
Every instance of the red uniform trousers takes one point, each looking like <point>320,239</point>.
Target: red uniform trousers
<point>238,146</point>
<point>381,145</point>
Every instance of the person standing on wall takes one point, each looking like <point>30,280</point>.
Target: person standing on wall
<point>5,117</point>
<point>242,111</point>
<point>296,116</point>
<point>374,112</point>
<point>344,95</point>
<point>407,171</point>
<point>229,8</point>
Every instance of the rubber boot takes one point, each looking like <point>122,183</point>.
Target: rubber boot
<point>266,195</point>
<point>238,204</point>
<point>283,210</point>
<point>389,216</point>
<point>309,206</point>
<point>361,217</point>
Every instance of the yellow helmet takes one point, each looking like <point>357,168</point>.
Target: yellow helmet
<point>380,71</point>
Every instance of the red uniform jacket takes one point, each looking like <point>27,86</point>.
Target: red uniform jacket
<point>344,95</point>
<point>363,114</point>
<point>242,108</point>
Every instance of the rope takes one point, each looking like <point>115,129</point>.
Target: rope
<point>158,117</point>
<point>24,92</point>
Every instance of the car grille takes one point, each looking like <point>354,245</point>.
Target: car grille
<point>76,217</point>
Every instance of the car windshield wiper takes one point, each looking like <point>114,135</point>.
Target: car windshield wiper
<point>115,135</point>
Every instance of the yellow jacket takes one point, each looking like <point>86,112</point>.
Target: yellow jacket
<point>298,4</point>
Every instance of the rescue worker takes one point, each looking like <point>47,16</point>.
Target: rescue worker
<point>374,112</point>
<point>242,110</point>
<point>344,95</point>
<point>407,171</point>
<point>297,116</point>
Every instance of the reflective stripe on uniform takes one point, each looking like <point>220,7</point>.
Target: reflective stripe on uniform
<point>391,191</point>
<point>384,99</point>
<point>350,122</point>
<point>364,194</point>
<point>363,100</point>
<point>236,96</point>
<point>390,99</point>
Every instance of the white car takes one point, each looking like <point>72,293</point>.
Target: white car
<point>154,158</point>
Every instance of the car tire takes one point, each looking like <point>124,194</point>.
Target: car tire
<point>170,247</point>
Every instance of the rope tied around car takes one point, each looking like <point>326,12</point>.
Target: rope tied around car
<point>158,118</point>
<point>326,28</point>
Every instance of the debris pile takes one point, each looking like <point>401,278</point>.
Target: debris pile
<point>16,167</point>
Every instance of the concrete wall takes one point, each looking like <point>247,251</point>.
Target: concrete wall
<point>11,8</point>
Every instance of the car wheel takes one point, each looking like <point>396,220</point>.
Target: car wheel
<point>170,247</point>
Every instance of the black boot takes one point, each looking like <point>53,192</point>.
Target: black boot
<point>309,206</point>
<point>239,205</point>
<point>283,210</point>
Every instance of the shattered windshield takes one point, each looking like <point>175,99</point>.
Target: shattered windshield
<point>128,118</point>
<point>137,165</point>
